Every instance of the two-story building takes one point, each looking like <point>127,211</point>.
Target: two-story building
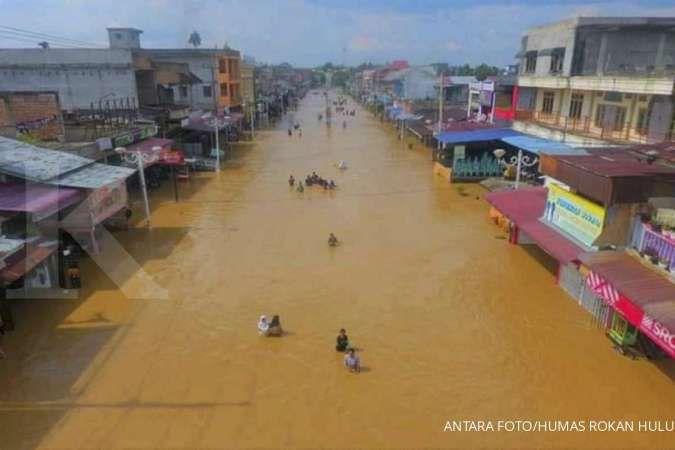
<point>594,80</point>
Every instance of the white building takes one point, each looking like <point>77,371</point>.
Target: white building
<point>598,80</point>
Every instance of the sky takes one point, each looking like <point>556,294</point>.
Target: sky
<point>311,32</point>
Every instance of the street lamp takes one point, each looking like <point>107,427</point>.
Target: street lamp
<point>520,161</point>
<point>141,159</point>
<point>217,124</point>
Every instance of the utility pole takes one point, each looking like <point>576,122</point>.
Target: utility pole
<point>440,106</point>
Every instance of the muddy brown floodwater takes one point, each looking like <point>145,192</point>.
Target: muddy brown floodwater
<point>453,322</point>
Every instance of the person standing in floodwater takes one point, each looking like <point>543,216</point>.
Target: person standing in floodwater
<point>290,132</point>
<point>299,132</point>
<point>342,341</point>
<point>352,361</point>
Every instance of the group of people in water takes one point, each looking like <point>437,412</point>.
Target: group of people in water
<point>272,328</point>
<point>312,180</point>
<point>295,127</point>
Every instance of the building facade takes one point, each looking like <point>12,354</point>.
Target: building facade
<point>598,80</point>
<point>37,114</point>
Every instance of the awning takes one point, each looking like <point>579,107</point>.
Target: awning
<point>9,246</point>
<point>25,261</point>
<point>95,176</point>
<point>524,207</point>
<point>459,137</point>
<point>538,145</point>
<point>206,122</point>
<point>644,297</point>
<point>39,200</point>
<point>32,163</point>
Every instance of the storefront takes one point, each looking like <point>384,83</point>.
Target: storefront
<point>643,299</point>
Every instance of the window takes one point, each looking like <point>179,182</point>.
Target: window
<point>223,90</point>
<point>118,36</point>
<point>576,105</point>
<point>610,117</point>
<point>557,60</point>
<point>222,65</point>
<point>207,91</point>
<point>642,124</point>
<point>547,106</point>
<point>183,91</point>
<point>530,62</point>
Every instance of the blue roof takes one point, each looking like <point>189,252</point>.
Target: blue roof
<point>487,134</point>
<point>538,145</point>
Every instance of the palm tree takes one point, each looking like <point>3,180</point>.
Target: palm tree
<point>195,39</point>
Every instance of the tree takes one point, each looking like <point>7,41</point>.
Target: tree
<point>340,78</point>
<point>43,44</point>
<point>195,39</point>
<point>483,71</point>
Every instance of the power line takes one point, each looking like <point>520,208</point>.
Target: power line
<point>31,40</point>
<point>45,36</point>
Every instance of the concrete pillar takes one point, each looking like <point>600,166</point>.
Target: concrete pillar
<point>602,55</point>
<point>659,61</point>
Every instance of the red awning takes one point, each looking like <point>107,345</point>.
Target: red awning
<point>524,207</point>
<point>644,297</point>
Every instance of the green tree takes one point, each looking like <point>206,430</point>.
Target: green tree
<point>483,71</point>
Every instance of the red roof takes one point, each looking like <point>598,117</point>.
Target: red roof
<point>615,163</point>
<point>148,144</point>
<point>524,207</point>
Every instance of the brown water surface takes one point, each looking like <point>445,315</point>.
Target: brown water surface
<point>453,322</point>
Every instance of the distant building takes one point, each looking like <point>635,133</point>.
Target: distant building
<point>595,80</point>
<point>125,74</point>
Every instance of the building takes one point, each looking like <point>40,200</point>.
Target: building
<point>595,80</point>
<point>412,83</point>
<point>81,77</point>
<point>125,74</point>
<point>247,84</point>
<point>36,114</point>
<point>217,69</point>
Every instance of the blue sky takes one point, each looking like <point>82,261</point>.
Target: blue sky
<point>311,32</point>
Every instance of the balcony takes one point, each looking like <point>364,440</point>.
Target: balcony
<point>657,243</point>
<point>584,126</point>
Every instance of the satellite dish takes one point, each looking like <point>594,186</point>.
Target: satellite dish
<point>499,153</point>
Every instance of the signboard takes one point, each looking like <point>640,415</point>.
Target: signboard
<point>578,217</point>
<point>132,136</point>
<point>99,205</point>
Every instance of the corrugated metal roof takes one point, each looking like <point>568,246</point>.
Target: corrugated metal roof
<point>458,137</point>
<point>34,163</point>
<point>643,286</point>
<point>616,164</point>
<point>525,207</point>
<point>95,176</point>
<point>539,145</point>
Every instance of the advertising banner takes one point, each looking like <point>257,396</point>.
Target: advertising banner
<point>578,217</point>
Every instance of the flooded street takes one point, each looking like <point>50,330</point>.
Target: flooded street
<point>453,322</point>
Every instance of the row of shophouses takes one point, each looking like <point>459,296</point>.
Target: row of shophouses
<point>576,146</point>
<point>84,130</point>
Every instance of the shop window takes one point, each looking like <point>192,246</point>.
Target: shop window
<point>183,91</point>
<point>224,92</point>
<point>207,91</point>
<point>547,106</point>
<point>530,62</point>
<point>576,105</point>
<point>557,60</point>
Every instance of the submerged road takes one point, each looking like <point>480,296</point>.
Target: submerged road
<point>453,322</point>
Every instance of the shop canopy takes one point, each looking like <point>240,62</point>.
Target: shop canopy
<point>538,145</point>
<point>36,199</point>
<point>95,176</point>
<point>32,163</point>
<point>644,297</point>
<point>462,137</point>
<point>524,207</point>
<point>206,122</point>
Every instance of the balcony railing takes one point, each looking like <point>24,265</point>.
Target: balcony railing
<point>646,239</point>
<point>584,125</point>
